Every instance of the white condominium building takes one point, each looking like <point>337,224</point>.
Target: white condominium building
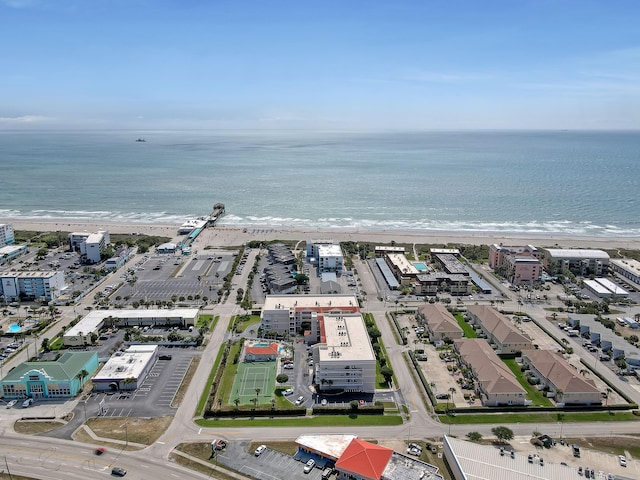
<point>293,313</point>
<point>31,285</point>
<point>6,234</point>
<point>344,358</point>
<point>90,245</point>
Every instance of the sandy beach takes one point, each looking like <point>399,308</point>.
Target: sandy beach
<point>222,235</point>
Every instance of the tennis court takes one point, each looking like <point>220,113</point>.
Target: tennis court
<point>250,376</point>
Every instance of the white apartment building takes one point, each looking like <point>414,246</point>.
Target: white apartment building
<point>90,245</point>
<point>6,234</point>
<point>344,358</point>
<point>31,285</point>
<point>326,254</point>
<point>293,313</point>
<point>330,259</point>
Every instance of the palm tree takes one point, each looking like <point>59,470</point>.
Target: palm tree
<point>607,394</point>
<point>81,375</point>
<point>451,391</point>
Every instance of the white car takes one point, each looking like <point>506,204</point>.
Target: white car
<point>309,465</point>
<point>259,450</point>
<point>288,366</point>
<point>11,403</point>
<point>623,460</point>
<point>287,392</point>
<point>300,400</point>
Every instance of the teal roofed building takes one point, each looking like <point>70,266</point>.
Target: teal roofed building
<point>56,379</point>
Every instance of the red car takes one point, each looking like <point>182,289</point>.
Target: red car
<point>100,451</point>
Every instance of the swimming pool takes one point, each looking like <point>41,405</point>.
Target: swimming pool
<point>14,328</point>
<point>420,266</point>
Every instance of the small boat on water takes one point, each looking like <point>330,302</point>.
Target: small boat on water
<point>140,140</point>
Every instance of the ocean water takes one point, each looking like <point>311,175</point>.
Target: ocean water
<point>561,183</point>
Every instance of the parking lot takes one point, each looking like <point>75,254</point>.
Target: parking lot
<point>154,396</point>
<point>270,465</point>
<point>172,277</point>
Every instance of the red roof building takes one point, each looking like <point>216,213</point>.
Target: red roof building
<point>364,460</point>
<point>261,353</point>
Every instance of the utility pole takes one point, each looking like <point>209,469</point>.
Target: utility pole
<point>7,465</point>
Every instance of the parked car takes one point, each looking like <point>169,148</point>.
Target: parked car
<point>324,402</point>
<point>165,357</point>
<point>11,403</point>
<point>310,465</point>
<point>118,472</point>
<point>259,450</point>
<point>27,403</point>
<point>300,400</point>
<point>288,366</point>
<point>623,460</point>
<point>287,392</point>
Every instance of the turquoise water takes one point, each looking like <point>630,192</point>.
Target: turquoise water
<point>14,328</point>
<point>420,266</point>
<point>261,344</point>
<point>554,182</point>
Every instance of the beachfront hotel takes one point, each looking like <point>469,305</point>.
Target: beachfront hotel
<point>327,255</point>
<point>344,358</point>
<point>578,261</point>
<point>6,234</point>
<point>31,285</point>
<point>520,264</point>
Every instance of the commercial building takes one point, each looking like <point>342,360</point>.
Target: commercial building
<point>344,358</point>
<point>561,379</point>
<point>503,335</point>
<point>472,461</point>
<point>80,334</point>
<point>494,383</point>
<point>166,248</point>
<point>31,285</point>
<point>290,314</point>
<point>439,322</point>
<point>9,252</point>
<point>605,288</point>
<point>6,234</point>
<point>118,260</point>
<point>627,268</point>
<point>582,262</point>
<point>357,459</point>
<point>126,370</point>
<point>62,378</point>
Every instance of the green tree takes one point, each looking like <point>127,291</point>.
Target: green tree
<point>354,405</point>
<point>474,436</point>
<point>45,345</point>
<point>387,373</point>
<point>502,433</point>
<point>282,378</point>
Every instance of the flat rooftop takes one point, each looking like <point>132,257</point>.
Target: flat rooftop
<point>346,338</point>
<point>329,251</point>
<point>331,446</point>
<point>577,253</point>
<point>93,320</point>
<point>130,364</point>
<point>279,302</point>
<point>400,261</point>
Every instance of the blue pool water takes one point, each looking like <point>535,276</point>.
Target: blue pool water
<point>14,328</point>
<point>420,266</point>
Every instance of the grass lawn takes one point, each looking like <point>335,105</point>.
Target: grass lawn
<point>320,421</point>
<point>533,394</point>
<point>539,417</point>
<point>226,385</point>
<point>203,320</point>
<point>468,330</point>
<point>246,321</point>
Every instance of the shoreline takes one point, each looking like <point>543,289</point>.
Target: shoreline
<point>236,235</point>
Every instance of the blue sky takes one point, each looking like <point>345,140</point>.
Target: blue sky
<point>330,65</point>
